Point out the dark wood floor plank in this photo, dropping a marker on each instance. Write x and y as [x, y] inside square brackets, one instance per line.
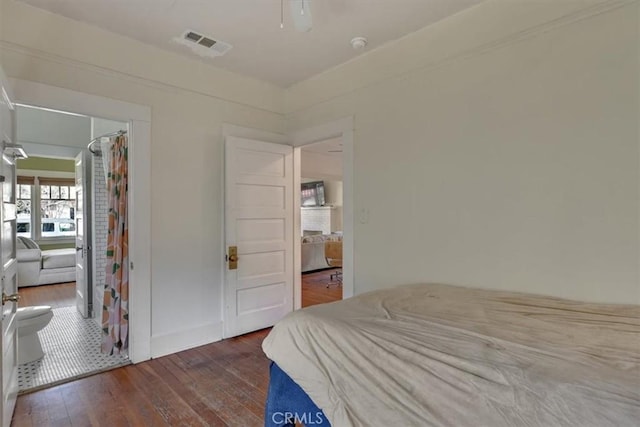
[188, 388]
[212, 385]
[220, 384]
[171, 407]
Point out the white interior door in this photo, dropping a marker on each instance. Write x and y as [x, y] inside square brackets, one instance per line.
[8, 256]
[84, 296]
[259, 223]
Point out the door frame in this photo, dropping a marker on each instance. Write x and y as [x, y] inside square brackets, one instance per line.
[87, 310]
[139, 198]
[341, 128]
[9, 358]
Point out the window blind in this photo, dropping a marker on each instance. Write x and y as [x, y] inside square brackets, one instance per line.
[26, 180]
[57, 181]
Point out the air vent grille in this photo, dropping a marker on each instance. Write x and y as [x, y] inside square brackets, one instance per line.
[206, 42]
[203, 45]
[194, 37]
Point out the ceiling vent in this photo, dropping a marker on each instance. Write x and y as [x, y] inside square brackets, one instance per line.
[203, 45]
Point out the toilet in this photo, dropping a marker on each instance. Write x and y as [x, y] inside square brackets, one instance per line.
[30, 321]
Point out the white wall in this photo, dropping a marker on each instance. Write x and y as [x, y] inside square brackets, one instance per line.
[189, 102]
[320, 165]
[496, 150]
[491, 150]
[47, 133]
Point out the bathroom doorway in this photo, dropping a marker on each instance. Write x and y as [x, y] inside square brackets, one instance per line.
[54, 204]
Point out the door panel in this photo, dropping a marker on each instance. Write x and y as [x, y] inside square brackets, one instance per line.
[8, 264]
[84, 255]
[259, 221]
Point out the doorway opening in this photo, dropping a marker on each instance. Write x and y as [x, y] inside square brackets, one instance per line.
[62, 230]
[321, 219]
[272, 162]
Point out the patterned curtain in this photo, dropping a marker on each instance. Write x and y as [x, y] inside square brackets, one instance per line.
[115, 311]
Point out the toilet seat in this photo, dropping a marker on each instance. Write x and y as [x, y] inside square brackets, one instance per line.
[24, 313]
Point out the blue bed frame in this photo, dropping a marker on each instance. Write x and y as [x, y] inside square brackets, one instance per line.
[288, 403]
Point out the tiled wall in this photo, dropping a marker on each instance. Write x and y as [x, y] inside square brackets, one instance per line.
[100, 226]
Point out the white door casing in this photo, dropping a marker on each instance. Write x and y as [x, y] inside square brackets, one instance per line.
[9, 264]
[343, 128]
[139, 200]
[259, 222]
[84, 287]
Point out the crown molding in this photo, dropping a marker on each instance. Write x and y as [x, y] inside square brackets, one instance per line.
[322, 88]
[7, 46]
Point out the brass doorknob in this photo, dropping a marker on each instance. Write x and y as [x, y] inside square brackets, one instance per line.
[12, 297]
[233, 258]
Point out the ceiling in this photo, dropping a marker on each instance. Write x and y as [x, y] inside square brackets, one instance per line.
[328, 147]
[261, 49]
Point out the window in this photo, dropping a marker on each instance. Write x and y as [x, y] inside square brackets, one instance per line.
[23, 208]
[67, 226]
[24, 228]
[56, 200]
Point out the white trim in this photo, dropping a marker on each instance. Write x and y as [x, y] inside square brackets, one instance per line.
[337, 128]
[297, 225]
[348, 78]
[321, 132]
[139, 202]
[139, 119]
[229, 129]
[270, 101]
[41, 95]
[183, 340]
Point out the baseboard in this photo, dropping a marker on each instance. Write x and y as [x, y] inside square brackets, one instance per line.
[174, 342]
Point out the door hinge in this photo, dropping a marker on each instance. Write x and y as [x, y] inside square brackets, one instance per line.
[131, 265]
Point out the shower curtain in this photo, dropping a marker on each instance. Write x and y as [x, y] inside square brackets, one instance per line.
[115, 309]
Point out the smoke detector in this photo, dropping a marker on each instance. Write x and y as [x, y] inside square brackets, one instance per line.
[203, 45]
[358, 42]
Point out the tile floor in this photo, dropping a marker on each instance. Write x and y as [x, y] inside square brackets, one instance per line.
[72, 350]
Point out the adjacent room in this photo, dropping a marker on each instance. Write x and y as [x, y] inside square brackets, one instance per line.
[339, 212]
[52, 258]
[321, 221]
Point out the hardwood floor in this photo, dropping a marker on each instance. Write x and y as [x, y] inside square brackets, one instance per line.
[315, 291]
[220, 384]
[58, 295]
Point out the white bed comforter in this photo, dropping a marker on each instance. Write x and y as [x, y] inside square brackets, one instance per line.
[441, 355]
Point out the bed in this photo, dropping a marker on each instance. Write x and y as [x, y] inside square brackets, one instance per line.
[444, 355]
